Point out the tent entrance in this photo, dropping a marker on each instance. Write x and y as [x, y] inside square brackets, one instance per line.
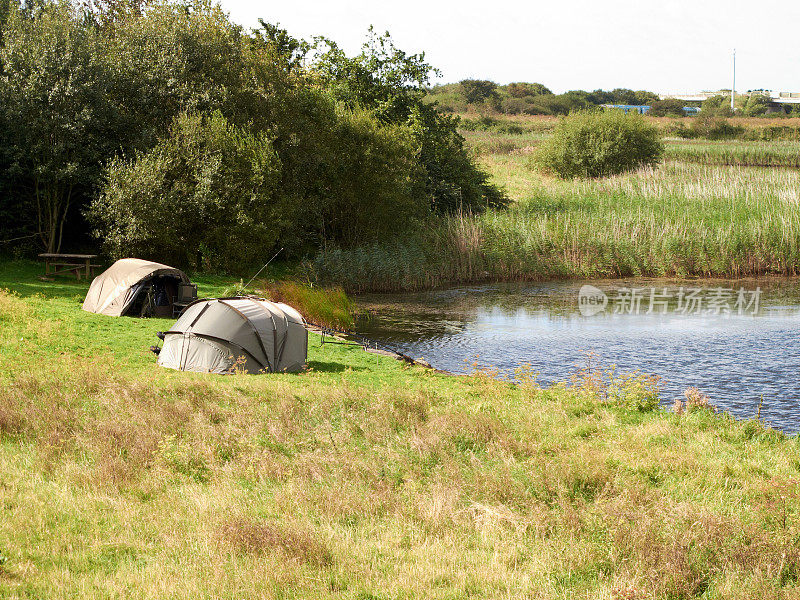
[153, 297]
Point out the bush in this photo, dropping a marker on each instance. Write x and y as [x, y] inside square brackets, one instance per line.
[669, 107]
[707, 127]
[756, 105]
[522, 90]
[214, 196]
[597, 144]
[204, 197]
[717, 106]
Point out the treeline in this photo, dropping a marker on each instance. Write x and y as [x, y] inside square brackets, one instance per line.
[526, 98]
[487, 97]
[166, 131]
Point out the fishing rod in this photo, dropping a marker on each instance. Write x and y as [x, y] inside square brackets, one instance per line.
[262, 268]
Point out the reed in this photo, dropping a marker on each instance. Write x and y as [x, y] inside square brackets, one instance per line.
[756, 154]
[679, 219]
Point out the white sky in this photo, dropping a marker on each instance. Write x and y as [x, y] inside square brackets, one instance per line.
[658, 45]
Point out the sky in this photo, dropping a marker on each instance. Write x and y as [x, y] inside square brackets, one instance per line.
[663, 46]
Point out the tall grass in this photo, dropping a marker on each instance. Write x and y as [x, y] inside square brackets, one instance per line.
[325, 306]
[674, 220]
[757, 154]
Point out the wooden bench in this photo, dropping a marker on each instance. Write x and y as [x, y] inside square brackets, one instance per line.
[68, 263]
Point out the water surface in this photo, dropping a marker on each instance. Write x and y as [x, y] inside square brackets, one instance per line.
[713, 340]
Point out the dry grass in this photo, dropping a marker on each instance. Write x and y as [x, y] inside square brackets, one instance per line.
[372, 481]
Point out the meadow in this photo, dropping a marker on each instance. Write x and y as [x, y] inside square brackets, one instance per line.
[364, 477]
[712, 209]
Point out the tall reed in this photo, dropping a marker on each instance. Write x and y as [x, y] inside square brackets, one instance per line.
[675, 220]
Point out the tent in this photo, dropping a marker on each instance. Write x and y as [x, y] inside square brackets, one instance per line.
[245, 334]
[134, 287]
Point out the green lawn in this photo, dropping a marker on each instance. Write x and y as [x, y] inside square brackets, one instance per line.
[363, 478]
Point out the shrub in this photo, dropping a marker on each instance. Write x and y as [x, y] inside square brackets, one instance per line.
[669, 107]
[597, 144]
[204, 196]
[707, 127]
[478, 90]
[325, 306]
[522, 89]
[756, 105]
[718, 106]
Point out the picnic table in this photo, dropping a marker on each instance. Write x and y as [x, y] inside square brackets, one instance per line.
[68, 263]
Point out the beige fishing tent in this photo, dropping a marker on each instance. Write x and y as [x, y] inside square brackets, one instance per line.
[245, 334]
[134, 287]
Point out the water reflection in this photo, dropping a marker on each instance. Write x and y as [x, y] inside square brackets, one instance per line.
[734, 358]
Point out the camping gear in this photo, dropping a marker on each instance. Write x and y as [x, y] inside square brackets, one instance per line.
[135, 287]
[187, 293]
[240, 334]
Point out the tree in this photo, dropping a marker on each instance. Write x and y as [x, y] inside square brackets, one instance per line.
[203, 196]
[669, 107]
[718, 105]
[757, 104]
[55, 97]
[392, 84]
[478, 91]
[521, 89]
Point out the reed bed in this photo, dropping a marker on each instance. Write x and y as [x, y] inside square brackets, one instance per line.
[757, 154]
[679, 219]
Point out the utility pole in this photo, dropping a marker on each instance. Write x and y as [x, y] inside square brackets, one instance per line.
[733, 88]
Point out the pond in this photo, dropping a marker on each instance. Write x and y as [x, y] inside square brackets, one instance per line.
[734, 340]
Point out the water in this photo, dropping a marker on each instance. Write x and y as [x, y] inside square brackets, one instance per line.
[731, 350]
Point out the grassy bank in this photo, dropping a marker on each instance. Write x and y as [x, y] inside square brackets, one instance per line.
[362, 478]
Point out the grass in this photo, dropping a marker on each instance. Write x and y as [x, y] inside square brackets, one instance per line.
[751, 154]
[679, 219]
[364, 478]
[711, 210]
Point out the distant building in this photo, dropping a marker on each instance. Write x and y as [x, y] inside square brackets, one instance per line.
[626, 108]
[642, 109]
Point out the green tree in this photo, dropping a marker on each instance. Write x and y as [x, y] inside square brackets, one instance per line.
[598, 144]
[521, 89]
[392, 85]
[478, 91]
[55, 95]
[717, 106]
[756, 105]
[669, 107]
[204, 196]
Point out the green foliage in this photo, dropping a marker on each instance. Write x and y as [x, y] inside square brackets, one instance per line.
[707, 127]
[390, 83]
[204, 196]
[669, 107]
[717, 106]
[598, 144]
[492, 124]
[756, 105]
[209, 195]
[376, 186]
[527, 98]
[118, 75]
[477, 91]
[325, 306]
[55, 90]
[522, 90]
